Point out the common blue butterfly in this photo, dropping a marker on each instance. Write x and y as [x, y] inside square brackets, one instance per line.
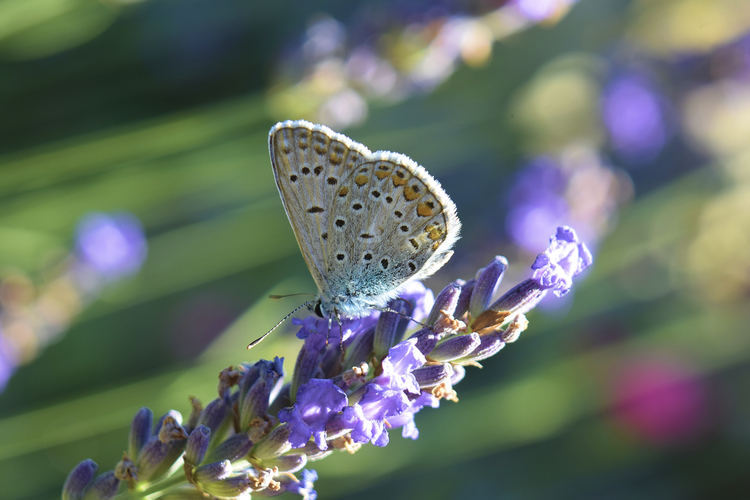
[366, 222]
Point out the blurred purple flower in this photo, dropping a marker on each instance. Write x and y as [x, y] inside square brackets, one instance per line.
[7, 362]
[537, 203]
[565, 258]
[112, 245]
[634, 116]
[539, 10]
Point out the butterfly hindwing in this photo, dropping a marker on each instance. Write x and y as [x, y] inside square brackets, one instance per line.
[393, 223]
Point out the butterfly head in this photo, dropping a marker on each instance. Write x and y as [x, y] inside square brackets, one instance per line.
[316, 306]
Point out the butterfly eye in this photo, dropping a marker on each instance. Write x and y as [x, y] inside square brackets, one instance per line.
[318, 311]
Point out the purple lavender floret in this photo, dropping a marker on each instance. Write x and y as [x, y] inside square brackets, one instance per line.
[406, 419]
[304, 487]
[402, 359]
[316, 402]
[565, 258]
[385, 396]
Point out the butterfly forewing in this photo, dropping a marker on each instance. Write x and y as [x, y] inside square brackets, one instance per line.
[309, 162]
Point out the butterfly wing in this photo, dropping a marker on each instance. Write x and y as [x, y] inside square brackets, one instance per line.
[309, 162]
[392, 223]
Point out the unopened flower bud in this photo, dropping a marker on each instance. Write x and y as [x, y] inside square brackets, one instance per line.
[490, 345]
[104, 487]
[274, 444]
[140, 431]
[521, 298]
[360, 350]
[255, 402]
[231, 487]
[391, 327]
[486, 284]
[161, 452]
[212, 472]
[312, 451]
[248, 379]
[281, 400]
[455, 347]
[462, 306]
[427, 339]
[197, 445]
[518, 300]
[308, 363]
[233, 448]
[432, 375]
[216, 416]
[445, 302]
[286, 463]
[78, 479]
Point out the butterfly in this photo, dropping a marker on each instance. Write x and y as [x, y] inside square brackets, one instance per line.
[366, 222]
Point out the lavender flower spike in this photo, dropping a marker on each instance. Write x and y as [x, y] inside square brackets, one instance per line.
[564, 258]
[349, 388]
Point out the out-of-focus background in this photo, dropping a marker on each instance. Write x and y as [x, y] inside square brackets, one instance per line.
[141, 231]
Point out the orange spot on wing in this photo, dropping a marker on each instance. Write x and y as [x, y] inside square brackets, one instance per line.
[398, 181]
[410, 193]
[343, 191]
[423, 210]
[361, 180]
[381, 175]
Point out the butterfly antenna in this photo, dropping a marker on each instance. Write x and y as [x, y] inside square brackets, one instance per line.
[290, 295]
[260, 339]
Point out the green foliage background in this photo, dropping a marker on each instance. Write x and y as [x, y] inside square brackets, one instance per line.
[91, 122]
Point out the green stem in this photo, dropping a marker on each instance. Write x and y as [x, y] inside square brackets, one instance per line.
[160, 486]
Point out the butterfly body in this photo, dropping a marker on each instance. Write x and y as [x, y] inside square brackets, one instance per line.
[366, 222]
